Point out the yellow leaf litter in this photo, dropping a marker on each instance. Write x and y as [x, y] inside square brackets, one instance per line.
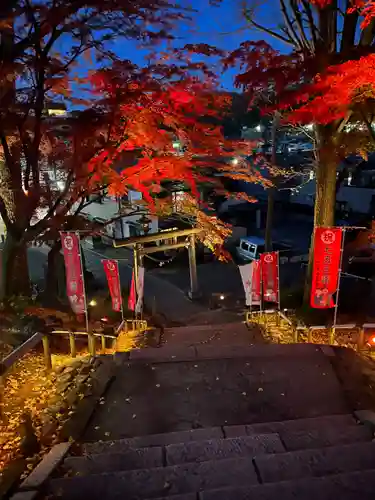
[27, 388]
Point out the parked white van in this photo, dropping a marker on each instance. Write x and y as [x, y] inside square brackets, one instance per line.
[250, 248]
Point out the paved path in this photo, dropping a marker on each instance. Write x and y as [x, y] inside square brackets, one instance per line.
[168, 298]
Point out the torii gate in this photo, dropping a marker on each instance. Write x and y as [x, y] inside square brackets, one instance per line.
[139, 251]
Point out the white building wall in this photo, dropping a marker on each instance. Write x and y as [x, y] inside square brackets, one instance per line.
[121, 228]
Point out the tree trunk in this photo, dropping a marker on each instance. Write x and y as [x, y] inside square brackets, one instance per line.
[325, 193]
[15, 272]
[52, 274]
[269, 220]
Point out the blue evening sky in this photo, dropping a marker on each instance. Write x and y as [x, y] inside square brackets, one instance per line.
[222, 26]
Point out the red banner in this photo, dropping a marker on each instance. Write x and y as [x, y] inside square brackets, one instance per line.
[256, 284]
[75, 288]
[270, 276]
[132, 295]
[113, 279]
[325, 277]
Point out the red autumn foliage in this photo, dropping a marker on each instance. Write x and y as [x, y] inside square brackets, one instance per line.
[305, 90]
[150, 121]
[134, 113]
[323, 76]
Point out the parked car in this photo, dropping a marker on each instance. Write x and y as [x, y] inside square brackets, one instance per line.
[250, 248]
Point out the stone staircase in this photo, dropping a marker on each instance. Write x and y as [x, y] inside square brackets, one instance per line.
[214, 415]
[329, 457]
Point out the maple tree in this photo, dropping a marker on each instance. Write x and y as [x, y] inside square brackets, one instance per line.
[41, 45]
[123, 109]
[326, 78]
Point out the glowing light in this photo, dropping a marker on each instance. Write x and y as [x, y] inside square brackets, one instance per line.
[235, 161]
[372, 340]
[176, 145]
[222, 297]
[93, 303]
[258, 128]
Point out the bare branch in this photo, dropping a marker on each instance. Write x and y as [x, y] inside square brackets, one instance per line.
[289, 26]
[259, 27]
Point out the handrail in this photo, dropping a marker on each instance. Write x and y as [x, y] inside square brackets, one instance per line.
[74, 332]
[297, 328]
[31, 342]
[285, 318]
[19, 352]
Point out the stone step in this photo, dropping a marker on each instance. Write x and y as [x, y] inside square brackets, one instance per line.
[350, 486]
[130, 459]
[219, 449]
[175, 454]
[185, 352]
[194, 477]
[153, 440]
[331, 429]
[308, 433]
[157, 482]
[315, 463]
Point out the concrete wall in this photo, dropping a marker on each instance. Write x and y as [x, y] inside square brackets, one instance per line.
[358, 199]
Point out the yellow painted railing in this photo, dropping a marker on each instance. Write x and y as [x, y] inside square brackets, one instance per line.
[345, 334]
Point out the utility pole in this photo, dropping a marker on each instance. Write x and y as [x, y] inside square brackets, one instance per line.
[272, 190]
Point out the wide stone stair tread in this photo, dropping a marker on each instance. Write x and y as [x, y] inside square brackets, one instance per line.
[314, 463]
[349, 486]
[130, 459]
[301, 424]
[200, 451]
[324, 437]
[151, 483]
[216, 474]
[175, 454]
[184, 496]
[233, 333]
[153, 440]
[310, 432]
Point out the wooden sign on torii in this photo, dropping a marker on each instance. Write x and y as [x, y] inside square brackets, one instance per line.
[182, 238]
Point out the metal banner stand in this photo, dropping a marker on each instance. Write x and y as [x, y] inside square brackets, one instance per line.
[135, 268]
[278, 290]
[338, 288]
[278, 282]
[83, 281]
[119, 288]
[261, 309]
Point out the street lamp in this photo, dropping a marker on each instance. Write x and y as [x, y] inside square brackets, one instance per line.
[145, 222]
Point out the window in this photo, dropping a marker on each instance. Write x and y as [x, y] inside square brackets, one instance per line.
[245, 246]
[132, 230]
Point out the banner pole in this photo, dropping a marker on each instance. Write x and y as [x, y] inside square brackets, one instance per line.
[135, 268]
[338, 284]
[119, 287]
[278, 281]
[83, 281]
[261, 286]
[251, 287]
